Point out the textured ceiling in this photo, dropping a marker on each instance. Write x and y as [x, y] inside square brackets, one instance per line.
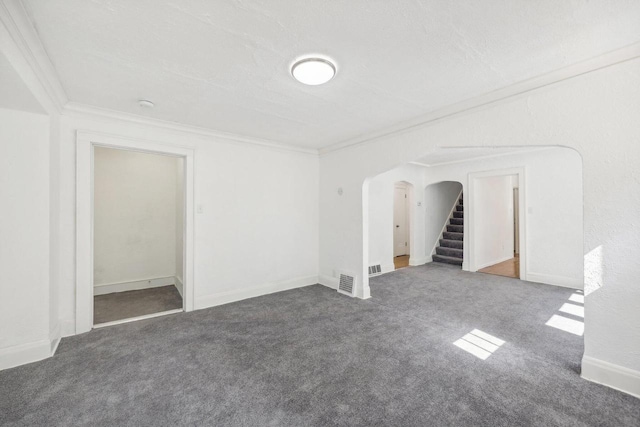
[14, 93]
[224, 64]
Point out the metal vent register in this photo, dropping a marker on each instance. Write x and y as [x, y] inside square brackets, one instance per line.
[347, 285]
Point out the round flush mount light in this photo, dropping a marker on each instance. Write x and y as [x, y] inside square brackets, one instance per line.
[145, 103]
[313, 71]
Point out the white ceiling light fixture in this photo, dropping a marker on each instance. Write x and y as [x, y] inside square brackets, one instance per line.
[313, 71]
[145, 103]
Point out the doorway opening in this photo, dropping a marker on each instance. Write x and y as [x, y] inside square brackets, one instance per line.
[496, 219]
[510, 267]
[444, 225]
[132, 270]
[138, 244]
[401, 225]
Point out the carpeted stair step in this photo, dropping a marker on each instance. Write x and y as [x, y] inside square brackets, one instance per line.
[452, 252]
[456, 221]
[459, 208]
[460, 201]
[447, 259]
[458, 244]
[452, 235]
[456, 228]
[457, 214]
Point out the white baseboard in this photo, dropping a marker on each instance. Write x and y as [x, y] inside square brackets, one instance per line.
[226, 297]
[135, 319]
[54, 345]
[109, 288]
[179, 286]
[387, 268]
[54, 338]
[498, 261]
[419, 261]
[67, 327]
[329, 282]
[384, 269]
[17, 355]
[549, 279]
[617, 377]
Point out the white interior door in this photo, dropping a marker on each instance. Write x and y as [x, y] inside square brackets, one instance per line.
[400, 222]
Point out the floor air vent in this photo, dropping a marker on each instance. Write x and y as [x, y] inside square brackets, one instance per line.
[374, 269]
[347, 285]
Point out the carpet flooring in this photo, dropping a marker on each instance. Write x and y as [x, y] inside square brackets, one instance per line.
[124, 305]
[313, 357]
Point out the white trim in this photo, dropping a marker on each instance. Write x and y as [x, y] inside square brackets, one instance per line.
[329, 282]
[444, 227]
[67, 327]
[109, 288]
[54, 345]
[226, 297]
[72, 108]
[498, 261]
[135, 319]
[26, 39]
[179, 286]
[617, 377]
[54, 338]
[550, 279]
[388, 268]
[485, 157]
[85, 143]
[17, 355]
[608, 59]
[415, 261]
[469, 217]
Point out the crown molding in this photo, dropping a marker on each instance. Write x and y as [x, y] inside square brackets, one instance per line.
[608, 59]
[74, 108]
[19, 27]
[484, 157]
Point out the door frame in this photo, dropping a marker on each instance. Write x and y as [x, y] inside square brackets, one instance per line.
[85, 143]
[469, 217]
[407, 217]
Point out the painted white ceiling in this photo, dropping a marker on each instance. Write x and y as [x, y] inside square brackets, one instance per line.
[224, 64]
[14, 93]
[454, 155]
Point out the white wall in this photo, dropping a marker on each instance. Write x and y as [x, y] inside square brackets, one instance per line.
[258, 231]
[439, 198]
[381, 192]
[554, 211]
[595, 114]
[180, 221]
[135, 206]
[554, 222]
[24, 235]
[493, 212]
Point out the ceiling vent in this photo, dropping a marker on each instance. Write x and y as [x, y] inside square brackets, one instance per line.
[347, 284]
[374, 270]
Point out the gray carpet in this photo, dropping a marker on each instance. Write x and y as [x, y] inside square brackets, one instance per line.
[313, 357]
[124, 305]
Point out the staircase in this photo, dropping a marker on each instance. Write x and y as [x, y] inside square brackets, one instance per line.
[450, 249]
